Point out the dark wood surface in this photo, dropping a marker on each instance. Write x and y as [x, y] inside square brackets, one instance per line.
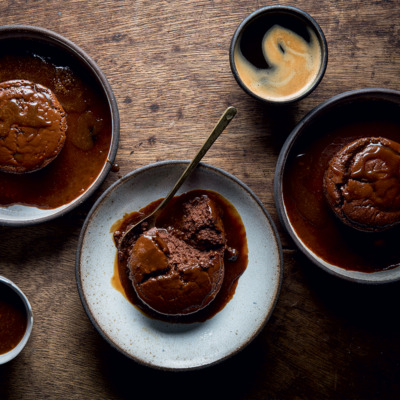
[167, 62]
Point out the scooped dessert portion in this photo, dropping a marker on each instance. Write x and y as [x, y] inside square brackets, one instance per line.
[362, 184]
[185, 269]
[33, 126]
[179, 269]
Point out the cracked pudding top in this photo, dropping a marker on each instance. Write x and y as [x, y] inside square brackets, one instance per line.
[179, 270]
[32, 126]
[362, 184]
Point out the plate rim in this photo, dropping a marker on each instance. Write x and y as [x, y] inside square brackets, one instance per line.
[107, 193]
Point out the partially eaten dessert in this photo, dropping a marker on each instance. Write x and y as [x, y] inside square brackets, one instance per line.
[179, 269]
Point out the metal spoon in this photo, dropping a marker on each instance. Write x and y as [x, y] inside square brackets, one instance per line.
[150, 219]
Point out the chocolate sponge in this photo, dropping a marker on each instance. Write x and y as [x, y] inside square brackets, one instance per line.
[33, 126]
[362, 184]
[179, 270]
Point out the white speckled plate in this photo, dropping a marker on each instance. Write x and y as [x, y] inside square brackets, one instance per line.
[169, 345]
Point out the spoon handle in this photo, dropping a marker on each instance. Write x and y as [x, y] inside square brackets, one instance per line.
[226, 117]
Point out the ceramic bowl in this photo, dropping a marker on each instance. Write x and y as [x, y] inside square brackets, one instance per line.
[354, 114]
[44, 44]
[168, 345]
[6, 284]
[247, 42]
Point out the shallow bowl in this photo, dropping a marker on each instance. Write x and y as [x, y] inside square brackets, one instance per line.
[44, 43]
[344, 112]
[6, 283]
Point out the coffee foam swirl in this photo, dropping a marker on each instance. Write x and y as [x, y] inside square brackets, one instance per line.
[293, 65]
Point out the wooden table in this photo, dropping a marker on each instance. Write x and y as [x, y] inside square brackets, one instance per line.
[167, 62]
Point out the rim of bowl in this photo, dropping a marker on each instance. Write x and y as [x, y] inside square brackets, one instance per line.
[280, 9]
[10, 355]
[50, 37]
[347, 97]
[106, 194]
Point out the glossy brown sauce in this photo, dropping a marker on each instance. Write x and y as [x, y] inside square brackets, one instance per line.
[88, 134]
[13, 321]
[234, 266]
[312, 219]
[115, 167]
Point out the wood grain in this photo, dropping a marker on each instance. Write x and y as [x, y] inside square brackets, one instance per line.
[167, 62]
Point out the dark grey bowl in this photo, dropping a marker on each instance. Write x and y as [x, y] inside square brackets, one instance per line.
[289, 17]
[350, 106]
[39, 38]
[6, 284]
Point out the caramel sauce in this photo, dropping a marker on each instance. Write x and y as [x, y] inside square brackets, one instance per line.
[236, 258]
[13, 321]
[307, 209]
[88, 135]
[115, 167]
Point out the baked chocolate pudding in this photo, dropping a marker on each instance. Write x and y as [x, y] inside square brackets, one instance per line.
[187, 267]
[179, 270]
[32, 126]
[362, 184]
[306, 206]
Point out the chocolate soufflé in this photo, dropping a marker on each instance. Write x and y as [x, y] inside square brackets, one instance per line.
[179, 270]
[32, 126]
[362, 184]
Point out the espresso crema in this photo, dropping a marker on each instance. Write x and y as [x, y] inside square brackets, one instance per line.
[293, 65]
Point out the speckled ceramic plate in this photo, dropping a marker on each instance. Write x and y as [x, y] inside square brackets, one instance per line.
[169, 345]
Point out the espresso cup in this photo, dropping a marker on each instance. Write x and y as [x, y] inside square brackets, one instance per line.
[15, 308]
[278, 54]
